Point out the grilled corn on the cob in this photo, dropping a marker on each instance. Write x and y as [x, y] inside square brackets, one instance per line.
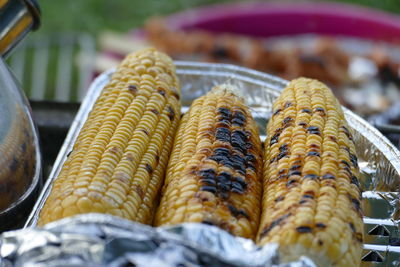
[119, 159]
[312, 199]
[214, 173]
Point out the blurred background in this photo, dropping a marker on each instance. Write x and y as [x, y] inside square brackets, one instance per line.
[353, 45]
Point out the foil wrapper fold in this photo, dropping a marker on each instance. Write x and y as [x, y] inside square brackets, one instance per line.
[105, 240]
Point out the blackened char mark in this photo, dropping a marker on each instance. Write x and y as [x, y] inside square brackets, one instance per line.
[273, 224]
[313, 130]
[347, 132]
[223, 134]
[237, 212]
[304, 229]
[238, 141]
[354, 180]
[239, 118]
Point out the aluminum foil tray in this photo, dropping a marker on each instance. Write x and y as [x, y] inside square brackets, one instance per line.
[379, 160]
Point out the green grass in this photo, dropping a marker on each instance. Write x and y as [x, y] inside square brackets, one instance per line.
[94, 16]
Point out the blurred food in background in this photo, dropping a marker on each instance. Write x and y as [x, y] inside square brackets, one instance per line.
[364, 74]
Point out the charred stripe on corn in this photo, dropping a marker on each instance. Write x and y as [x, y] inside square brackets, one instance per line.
[214, 173]
[118, 161]
[312, 200]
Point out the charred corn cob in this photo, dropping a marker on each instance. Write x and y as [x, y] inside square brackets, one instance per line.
[312, 200]
[120, 156]
[214, 173]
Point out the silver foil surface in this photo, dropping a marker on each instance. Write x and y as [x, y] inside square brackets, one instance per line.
[105, 240]
[379, 162]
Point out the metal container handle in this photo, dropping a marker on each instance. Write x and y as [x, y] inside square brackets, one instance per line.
[17, 18]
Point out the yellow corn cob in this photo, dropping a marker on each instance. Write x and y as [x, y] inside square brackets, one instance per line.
[214, 173]
[118, 161]
[312, 200]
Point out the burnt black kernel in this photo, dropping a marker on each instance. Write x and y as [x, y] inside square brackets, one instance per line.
[310, 193]
[320, 225]
[149, 169]
[14, 165]
[155, 111]
[223, 180]
[280, 198]
[274, 139]
[238, 185]
[223, 134]
[238, 162]
[225, 112]
[249, 145]
[225, 175]
[132, 88]
[221, 151]
[306, 110]
[313, 153]
[273, 224]
[295, 167]
[328, 176]
[302, 201]
[238, 140]
[345, 163]
[207, 173]
[347, 132]
[243, 213]
[314, 146]
[311, 176]
[282, 176]
[171, 113]
[223, 187]
[356, 203]
[353, 160]
[223, 160]
[313, 130]
[145, 131]
[355, 181]
[291, 182]
[321, 110]
[211, 189]
[157, 157]
[273, 160]
[287, 120]
[241, 181]
[282, 155]
[333, 138]
[352, 227]
[161, 92]
[303, 229]
[308, 196]
[282, 171]
[250, 158]
[276, 112]
[283, 147]
[294, 173]
[239, 118]
[302, 124]
[208, 182]
[288, 104]
[236, 190]
[233, 209]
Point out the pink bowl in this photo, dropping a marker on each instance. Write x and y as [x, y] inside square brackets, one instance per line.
[273, 19]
